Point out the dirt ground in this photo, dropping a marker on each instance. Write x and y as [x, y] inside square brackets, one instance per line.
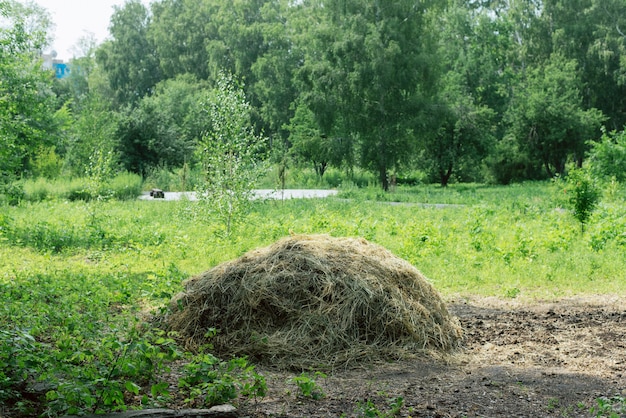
[538, 359]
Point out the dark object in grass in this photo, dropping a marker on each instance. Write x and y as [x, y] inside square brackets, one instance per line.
[157, 194]
[315, 302]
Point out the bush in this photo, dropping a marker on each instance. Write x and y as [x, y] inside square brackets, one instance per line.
[12, 193]
[607, 158]
[583, 194]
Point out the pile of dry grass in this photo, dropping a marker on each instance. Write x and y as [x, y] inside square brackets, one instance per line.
[315, 301]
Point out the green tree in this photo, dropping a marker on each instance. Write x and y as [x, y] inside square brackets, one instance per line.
[366, 66]
[592, 33]
[310, 145]
[93, 129]
[584, 194]
[232, 156]
[460, 128]
[274, 89]
[164, 128]
[27, 102]
[462, 136]
[180, 31]
[129, 59]
[547, 118]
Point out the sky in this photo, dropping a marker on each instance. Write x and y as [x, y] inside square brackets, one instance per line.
[74, 19]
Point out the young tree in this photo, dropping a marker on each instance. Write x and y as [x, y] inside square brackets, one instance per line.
[584, 194]
[232, 156]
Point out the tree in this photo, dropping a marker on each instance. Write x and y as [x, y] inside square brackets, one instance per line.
[584, 194]
[461, 126]
[592, 33]
[463, 133]
[310, 145]
[27, 102]
[366, 66]
[129, 59]
[230, 153]
[274, 89]
[547, 118]
[164, 128]
[180, 31]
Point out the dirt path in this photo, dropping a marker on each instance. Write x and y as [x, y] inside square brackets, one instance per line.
[519, 360]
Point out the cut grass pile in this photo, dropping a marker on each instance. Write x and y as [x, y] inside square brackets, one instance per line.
[315, 301]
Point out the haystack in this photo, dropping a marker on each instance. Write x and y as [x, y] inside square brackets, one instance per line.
[315, 301]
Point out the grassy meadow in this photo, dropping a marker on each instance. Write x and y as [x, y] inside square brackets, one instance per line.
[79, 281]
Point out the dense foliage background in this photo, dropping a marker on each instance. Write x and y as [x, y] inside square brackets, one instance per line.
[436, 90]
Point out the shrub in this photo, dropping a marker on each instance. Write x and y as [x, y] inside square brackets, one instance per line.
[12, 193]
[607, 158]
[583, 194]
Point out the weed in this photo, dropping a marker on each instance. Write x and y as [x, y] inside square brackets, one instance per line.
[308, 385]
[209, 381]
[613, 407]
[553, 403]
[368, 409]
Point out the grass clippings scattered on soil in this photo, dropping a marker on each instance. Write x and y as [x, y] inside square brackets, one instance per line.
[314, 301]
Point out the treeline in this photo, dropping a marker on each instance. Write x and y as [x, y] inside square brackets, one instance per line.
[459, 90]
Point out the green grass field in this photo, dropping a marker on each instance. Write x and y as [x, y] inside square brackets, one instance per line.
[78, 280]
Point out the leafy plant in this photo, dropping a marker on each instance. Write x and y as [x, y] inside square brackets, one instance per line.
[308, 385]
[210, 381]
[613, 407]
[584, 194]
[607, 157]
[368, 409]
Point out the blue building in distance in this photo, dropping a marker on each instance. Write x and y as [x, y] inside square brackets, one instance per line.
[61, 69]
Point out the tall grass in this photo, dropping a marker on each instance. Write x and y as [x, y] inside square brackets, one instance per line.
[123, 186]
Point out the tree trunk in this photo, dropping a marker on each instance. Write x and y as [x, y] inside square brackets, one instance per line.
[445, 177]
[384, 179]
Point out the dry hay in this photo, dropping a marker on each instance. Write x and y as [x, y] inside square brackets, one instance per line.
[315, 301]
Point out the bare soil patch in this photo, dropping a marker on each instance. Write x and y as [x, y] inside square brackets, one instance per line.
[519, 359]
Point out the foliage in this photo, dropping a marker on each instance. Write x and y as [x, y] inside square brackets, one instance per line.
[369, 409]
[27, 119]
[162, 131]
[584, 194]
[613, 407]
[607, 157]
[129, 58]
[365, 69]
[309, 144]
[209, 381]
[231, 155]
[309, 388]
[547, 118]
